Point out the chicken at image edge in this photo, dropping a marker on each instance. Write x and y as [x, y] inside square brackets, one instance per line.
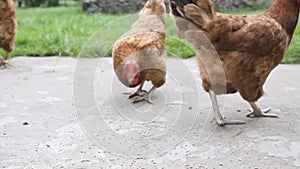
[249, 46]
[139, 55]
[8, 28]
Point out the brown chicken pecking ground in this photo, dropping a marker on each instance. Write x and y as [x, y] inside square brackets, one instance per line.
[140, 54]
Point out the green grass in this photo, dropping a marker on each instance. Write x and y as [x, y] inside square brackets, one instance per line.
[68, 31]
[293, 53]
[56, 31]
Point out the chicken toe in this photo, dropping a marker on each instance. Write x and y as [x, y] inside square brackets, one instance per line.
[145, 97]
[257, 112]
[3, 63]
[139, 92]
[221, 121]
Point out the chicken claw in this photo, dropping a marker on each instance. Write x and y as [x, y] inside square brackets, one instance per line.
[139, 92]
[4, 62]
[221, 121]
[256, 112]
[145, 97]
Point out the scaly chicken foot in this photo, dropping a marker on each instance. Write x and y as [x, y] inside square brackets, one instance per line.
[257, 112]
[139, 92]
[4, 62]
[220, 120]
[146, 97]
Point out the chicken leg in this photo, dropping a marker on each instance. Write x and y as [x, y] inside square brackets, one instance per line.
[146, 97]
[218, 117]
[3, 61]
[257, 112]
[139, 91]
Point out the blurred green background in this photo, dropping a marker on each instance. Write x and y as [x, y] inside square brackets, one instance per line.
[62, 28]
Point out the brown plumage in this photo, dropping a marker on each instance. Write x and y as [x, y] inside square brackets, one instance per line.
[139, 55]
[8, 28]
[248, 46]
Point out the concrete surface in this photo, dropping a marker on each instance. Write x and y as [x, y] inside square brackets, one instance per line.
[59, 113]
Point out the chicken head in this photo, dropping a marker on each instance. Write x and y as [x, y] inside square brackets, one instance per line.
[131, 73]
[154, 6]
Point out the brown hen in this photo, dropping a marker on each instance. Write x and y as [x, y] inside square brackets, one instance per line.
[8, 28]
[248, 47]
[139, 55]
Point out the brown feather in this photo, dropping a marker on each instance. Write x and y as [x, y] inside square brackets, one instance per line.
[8, 25]
[145, 41]
[249, 46]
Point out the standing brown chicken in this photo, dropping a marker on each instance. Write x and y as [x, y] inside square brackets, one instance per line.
[248, 47]
[8, 28]
[139, 55]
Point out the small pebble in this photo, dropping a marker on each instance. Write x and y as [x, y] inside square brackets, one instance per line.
[85, 161]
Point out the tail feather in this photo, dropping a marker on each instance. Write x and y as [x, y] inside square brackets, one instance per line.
[194, 21]
[198, 12]
[207, 6]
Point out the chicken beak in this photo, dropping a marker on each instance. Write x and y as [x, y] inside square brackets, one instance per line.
[133, 80]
